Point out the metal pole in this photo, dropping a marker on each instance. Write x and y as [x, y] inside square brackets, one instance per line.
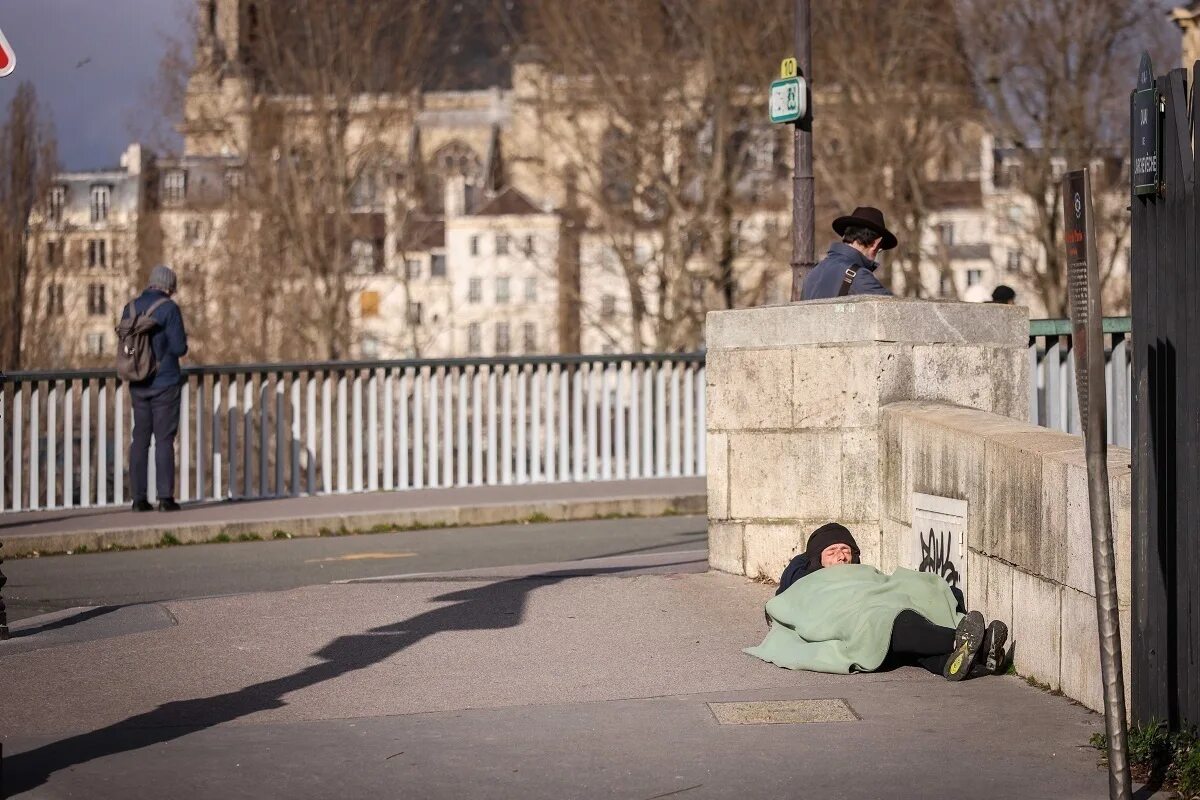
[803, 213]
[1083, 283]
[3, 610]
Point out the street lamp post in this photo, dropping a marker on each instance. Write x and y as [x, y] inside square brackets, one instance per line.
[803, 212]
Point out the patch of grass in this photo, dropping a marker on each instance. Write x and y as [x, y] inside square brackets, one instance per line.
[168, 540]
[537, 518]
[222, 537]
[280, 535]
[83, 548]
[249, 537]
[1155, 753]
[1012, 669]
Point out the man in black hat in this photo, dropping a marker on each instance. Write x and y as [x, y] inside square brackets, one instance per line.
[849, 266]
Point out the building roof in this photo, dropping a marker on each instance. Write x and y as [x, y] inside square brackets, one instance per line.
[422, 234]
[945, 195]
[509, 202]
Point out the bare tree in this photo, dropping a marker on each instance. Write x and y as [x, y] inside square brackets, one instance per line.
[1054, 77]
[896, 123]
[29, 157]
[656, 107]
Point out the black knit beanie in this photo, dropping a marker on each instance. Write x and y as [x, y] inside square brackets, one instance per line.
[822, 537]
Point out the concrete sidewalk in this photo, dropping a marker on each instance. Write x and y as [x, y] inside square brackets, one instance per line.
[584, 680]
[59, 531]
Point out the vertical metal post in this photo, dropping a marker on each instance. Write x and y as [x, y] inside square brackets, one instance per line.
[803, 213]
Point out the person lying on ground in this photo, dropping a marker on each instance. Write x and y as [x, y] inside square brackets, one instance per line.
[836, 614]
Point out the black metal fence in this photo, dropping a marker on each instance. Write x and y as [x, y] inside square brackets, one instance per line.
[1166, 427]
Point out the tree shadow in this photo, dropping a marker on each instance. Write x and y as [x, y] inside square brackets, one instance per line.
[491, 607]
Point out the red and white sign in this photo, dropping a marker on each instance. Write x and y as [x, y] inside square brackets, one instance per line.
[8, 59]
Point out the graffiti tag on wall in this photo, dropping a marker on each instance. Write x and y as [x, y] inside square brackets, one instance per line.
[937, 556]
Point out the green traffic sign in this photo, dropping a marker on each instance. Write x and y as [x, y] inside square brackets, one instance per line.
[787, 100]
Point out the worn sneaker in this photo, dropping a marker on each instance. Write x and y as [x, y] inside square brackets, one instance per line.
[968, 639]
[142, 505]
[992, 651]
[167, 504]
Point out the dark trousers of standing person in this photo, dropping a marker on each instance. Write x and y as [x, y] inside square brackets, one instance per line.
[917, 641]
[155, 412]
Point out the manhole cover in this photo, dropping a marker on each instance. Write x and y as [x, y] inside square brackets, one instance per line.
[783, 712]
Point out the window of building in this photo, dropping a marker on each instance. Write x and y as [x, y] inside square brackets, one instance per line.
[945, 232]
[502, 244]
[54, 252]
[414, 313]
[944, 285]
[437, 266]
[58, 201]
[529, 337]
[608, 306]
[412, 268]
[191, 231]
[474, 339]
[54, 300]
[474, 245]
[501, 290]
[368, 303]
[174, 187]
[475, 290]
[1014, 261]
[101, 198]
[974, 277]
[97, 253]
[362, 256]
[97, 299]
[233, 182]
[369, 346]
[531, 290]
[502, 343]
[95, 344]
[528, 248]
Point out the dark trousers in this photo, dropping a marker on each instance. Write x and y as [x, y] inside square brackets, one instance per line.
[916, 640]
[155, 412]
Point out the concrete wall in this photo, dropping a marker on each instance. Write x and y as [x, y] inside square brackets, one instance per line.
[794, 399]
[843, 409]
[1028, 529]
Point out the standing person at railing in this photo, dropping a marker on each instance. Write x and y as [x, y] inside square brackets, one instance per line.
[156, 398]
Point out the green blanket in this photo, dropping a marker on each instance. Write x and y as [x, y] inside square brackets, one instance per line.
[840, 618]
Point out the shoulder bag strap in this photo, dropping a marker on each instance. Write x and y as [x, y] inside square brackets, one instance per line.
[847, 281]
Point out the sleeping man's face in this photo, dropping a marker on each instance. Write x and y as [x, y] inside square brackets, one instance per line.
[836, 554]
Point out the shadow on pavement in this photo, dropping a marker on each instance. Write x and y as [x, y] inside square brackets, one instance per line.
[64, 622]
[490, 607]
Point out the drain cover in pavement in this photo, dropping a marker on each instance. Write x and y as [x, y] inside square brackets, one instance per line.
[783, 712]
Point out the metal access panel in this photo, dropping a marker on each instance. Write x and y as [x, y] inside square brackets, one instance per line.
[938, 542]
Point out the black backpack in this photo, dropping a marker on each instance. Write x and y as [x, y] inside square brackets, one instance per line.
[135, 356]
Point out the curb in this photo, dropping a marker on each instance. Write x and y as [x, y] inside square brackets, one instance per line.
[350, 524]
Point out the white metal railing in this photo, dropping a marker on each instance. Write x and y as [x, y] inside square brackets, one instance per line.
[1053, 398]
[280, 430]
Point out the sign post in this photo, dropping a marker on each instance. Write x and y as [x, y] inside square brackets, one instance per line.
[1145, 132]
[1083, 285]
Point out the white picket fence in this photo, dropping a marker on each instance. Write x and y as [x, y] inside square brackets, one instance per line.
[279, 430]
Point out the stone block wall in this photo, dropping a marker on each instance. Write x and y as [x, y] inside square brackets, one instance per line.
[1028, 529]
[795, 395]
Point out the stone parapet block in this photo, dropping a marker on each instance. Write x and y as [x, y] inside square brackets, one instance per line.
[867, 319]
[783, 475]
[1036, 628]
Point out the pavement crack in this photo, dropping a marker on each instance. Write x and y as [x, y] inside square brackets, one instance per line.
[677, 791]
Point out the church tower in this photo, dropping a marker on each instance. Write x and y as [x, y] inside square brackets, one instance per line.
[220, 86]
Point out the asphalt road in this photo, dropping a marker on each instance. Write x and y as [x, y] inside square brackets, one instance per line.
[40, 585]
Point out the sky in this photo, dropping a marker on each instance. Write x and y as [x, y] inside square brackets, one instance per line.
[91, 62]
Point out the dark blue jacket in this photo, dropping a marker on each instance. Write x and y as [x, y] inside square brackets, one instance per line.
[826, 278]
[169, 339]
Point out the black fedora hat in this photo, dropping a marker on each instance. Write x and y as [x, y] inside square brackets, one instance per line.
[866, 217]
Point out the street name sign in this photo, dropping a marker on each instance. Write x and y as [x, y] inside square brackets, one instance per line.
[787, 99]
[8, 59]
[1145, 132]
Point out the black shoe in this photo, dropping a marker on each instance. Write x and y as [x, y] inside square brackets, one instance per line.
[992, 651]
[167, 504]
[968, 638]
[142, 505]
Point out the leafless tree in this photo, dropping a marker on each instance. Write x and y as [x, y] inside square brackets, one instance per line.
[657, 109]
[1055, 78]
[29, 156]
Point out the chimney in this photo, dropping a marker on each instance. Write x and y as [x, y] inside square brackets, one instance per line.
[455, 203]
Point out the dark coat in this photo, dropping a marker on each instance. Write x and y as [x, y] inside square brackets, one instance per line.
[826, 278]
[169, 340]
